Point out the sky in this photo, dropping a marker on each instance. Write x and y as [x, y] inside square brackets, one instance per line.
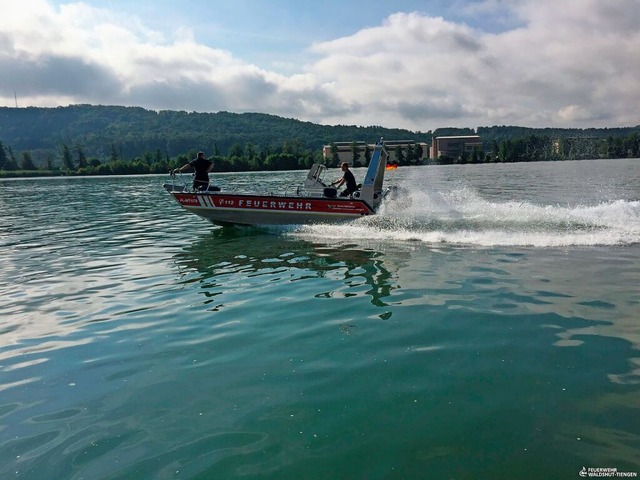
[413, 64]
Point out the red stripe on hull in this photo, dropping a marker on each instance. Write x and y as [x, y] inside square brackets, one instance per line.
[278, 204]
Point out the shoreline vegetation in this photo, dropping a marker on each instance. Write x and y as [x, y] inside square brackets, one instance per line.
[85, 140]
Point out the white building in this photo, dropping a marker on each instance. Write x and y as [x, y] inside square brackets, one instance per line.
[454, 146]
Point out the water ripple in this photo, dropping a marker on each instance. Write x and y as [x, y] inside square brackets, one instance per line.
[138, 341]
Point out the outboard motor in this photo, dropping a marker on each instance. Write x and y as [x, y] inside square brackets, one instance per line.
[399, 195]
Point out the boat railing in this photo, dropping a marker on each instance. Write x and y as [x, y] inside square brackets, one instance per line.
[182, 183]
[179, 182]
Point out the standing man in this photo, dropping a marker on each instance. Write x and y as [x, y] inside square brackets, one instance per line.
[202, 167]
[349, 179]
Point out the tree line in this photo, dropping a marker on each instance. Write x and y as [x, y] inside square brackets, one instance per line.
[535, 148]
[292, 156]
[74, 161]
[134, 131]
[111, 140]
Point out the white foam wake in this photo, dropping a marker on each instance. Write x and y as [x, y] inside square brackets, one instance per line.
[461, 217]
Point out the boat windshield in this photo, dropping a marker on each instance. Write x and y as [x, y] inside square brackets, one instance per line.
[314, 177]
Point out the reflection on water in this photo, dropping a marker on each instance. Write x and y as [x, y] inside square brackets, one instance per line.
[242, 263]
[259, 254]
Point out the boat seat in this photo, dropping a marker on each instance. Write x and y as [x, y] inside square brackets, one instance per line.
[330, 192]
[354, 194]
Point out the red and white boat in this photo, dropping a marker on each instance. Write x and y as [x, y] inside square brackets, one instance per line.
[312, 202]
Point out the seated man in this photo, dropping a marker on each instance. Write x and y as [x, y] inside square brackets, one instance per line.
[349, 179]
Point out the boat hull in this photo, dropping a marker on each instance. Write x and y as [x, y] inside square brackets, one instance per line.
[242, 209]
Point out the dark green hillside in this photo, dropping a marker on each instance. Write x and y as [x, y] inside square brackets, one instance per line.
[132, 131]
[501, 133]
[105, 140]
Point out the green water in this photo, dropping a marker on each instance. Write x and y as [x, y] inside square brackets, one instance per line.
[488, 330]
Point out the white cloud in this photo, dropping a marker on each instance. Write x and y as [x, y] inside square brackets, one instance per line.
[571, 63]
[573, 113]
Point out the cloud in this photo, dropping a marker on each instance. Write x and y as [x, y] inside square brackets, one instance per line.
[531, 75]
[571, 64]
[58, 75]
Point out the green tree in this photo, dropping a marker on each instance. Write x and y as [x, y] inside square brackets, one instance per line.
[463, 158]
[265, 151]
[49, 162]
[27, 162]
[306, 160]
[507, 151]
[355, 153]
[634, 146]
[10, 163]
[411, 154]
[158, 158]
[67, 160]
[250, 152]
[236, 150]
[3, 156]
[114, 153]
[418, 151]
[281, 161]
[495, 151]
[400, 159]
[82, 159]
[335, 157]
[146, 158]
[367, 154]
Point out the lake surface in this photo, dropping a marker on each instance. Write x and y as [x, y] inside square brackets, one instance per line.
[491, 329]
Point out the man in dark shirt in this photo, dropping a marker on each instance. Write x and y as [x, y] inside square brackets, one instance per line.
[202, 167]
[349, 179]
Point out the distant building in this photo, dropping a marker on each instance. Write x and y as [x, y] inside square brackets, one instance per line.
[454, 146]
[345, 151]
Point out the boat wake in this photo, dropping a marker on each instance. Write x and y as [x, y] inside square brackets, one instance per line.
[462, 217]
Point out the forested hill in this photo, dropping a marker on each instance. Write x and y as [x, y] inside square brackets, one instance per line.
[105, 132]
[132, 131]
